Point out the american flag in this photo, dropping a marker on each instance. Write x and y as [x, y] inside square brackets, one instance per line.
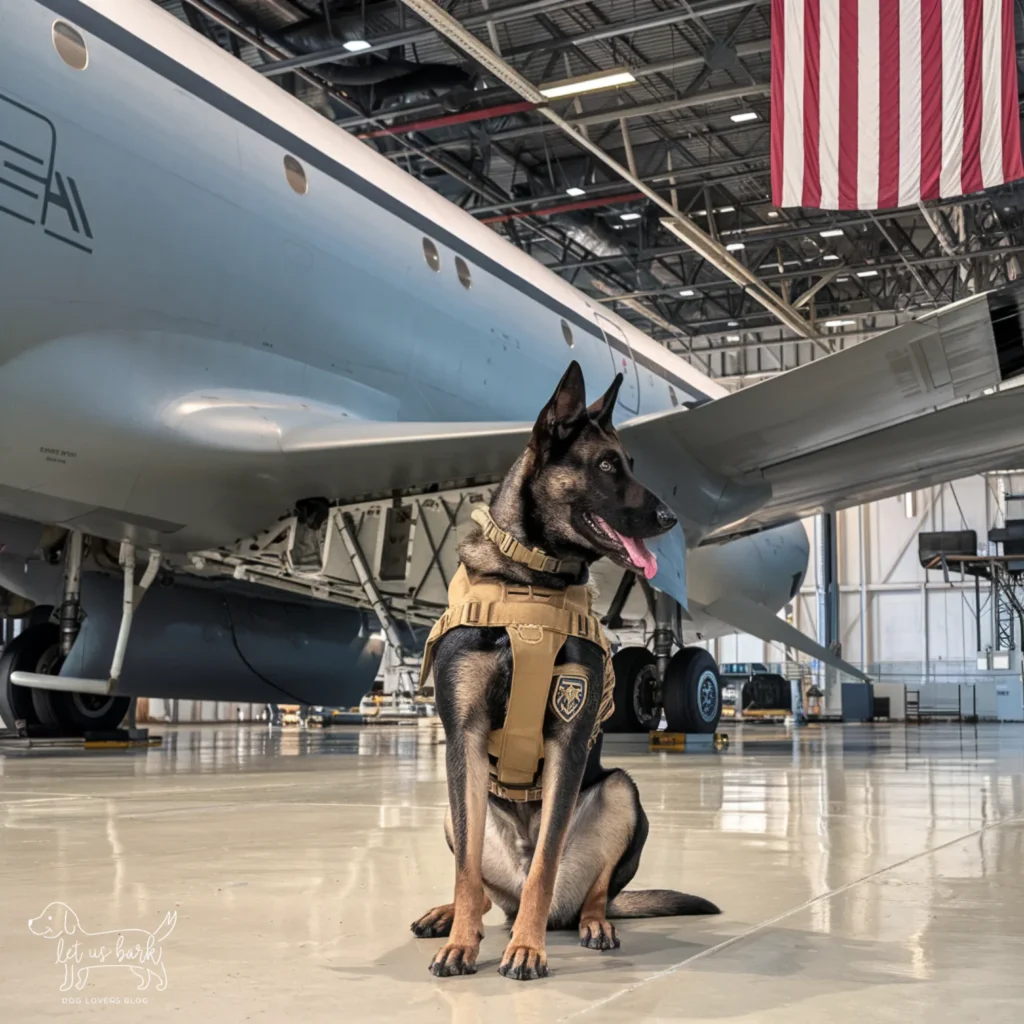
[883, 103]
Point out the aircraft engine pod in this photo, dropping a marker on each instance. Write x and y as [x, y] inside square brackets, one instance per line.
[221, 643]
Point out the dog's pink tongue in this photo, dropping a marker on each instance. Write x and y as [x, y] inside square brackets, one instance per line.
[640, 556]
[637, 550]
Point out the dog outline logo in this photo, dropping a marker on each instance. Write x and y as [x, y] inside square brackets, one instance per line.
[569, 696]
[80, 951]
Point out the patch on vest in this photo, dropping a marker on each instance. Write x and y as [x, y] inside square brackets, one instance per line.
[568, 696]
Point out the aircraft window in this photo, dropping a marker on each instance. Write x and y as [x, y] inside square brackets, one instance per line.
[567, 334]
[69, 43]
[431, 255]
[462, 269]
[296, 175]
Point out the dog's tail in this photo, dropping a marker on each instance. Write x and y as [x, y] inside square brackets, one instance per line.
[658, 903]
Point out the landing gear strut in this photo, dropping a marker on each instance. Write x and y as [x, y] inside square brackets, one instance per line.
[34, 697]
[685, 685]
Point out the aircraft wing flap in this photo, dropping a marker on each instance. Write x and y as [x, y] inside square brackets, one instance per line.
[973, 437]
[906, 372]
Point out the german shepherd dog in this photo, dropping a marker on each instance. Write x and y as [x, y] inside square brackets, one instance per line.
[563, 861]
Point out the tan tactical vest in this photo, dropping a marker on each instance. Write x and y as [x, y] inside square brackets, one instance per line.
[538, 621]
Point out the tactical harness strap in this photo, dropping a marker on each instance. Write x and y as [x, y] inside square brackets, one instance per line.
[538, 621]
[511, 548]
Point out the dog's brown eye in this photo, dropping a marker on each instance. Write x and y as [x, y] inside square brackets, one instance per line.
[605, 466]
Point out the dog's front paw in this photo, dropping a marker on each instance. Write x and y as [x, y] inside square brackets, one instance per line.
[597, 933]
[523, 963]
[435, 923]
[454, 958]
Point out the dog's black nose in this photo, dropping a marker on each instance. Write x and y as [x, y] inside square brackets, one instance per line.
[666, 519]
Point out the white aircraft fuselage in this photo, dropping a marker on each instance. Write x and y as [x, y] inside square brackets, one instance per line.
[158, 257]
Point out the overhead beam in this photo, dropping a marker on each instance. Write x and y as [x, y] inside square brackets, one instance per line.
[681, 226]
[494, 15]
[829, 275]
[697, 99]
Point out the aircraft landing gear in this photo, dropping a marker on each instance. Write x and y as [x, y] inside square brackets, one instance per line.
[637, 697]
[692, 692]
[686, 685]
[34, 697]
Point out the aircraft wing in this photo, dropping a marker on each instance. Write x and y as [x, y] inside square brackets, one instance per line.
[302, 448]
[890, 415]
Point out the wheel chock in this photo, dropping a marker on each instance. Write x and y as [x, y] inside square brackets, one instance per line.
[694, 742]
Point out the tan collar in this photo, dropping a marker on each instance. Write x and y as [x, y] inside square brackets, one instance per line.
[511, 548]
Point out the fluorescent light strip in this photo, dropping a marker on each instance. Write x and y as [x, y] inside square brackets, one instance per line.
[734, 247]
[587, 83]
[356, 45]
[575, 190]
[840, 323]
[832, 233]
[629, 216]
[867, 273]
[746, 115]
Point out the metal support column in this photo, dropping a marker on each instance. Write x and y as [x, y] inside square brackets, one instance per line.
[828, 597]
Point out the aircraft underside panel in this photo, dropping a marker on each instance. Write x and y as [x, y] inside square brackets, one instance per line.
[410, 548]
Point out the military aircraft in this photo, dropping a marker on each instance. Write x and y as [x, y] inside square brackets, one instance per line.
[255, 377]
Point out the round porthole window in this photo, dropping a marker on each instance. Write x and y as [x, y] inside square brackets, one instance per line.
[296, 175]
[70, 45]
[567, 334]
[462, 269]
[431, 255]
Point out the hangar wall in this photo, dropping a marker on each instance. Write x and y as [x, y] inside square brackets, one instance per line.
[896, 619]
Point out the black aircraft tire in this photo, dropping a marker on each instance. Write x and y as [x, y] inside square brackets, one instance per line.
[635, 684]
[693, 692]
[71, 714]
[22, 654]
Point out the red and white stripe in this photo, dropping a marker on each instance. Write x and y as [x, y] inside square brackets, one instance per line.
[882, 103]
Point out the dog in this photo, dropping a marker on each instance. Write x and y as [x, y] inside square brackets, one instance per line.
[561, 861]
[133, 949]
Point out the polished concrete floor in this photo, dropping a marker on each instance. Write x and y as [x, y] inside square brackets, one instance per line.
[867, 873]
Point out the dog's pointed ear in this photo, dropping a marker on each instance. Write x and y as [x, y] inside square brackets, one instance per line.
[566, 406]
[604, 407]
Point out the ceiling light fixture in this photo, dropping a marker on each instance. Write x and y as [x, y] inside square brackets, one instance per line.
[734, 247]
[733, 323]
[732, 337]
[629, 216]
[832, 233]
[587, 83]
[840, 323]
[746, 115]
[830, 256]
[867, 273]
[773, 213]
[575, 190]
[687, 293]
[356, 45]
[726, 209]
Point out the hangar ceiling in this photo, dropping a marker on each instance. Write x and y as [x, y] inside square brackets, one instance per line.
[692, 125]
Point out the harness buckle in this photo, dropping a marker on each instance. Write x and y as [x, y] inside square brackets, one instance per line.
[470, 613]
[532, 635]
